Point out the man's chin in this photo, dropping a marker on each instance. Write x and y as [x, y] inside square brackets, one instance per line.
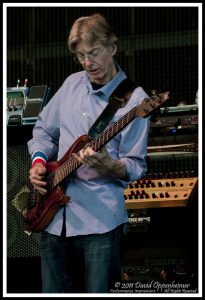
[95, 79]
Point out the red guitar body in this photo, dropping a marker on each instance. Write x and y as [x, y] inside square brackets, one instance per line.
[41, 209]
[38, 216]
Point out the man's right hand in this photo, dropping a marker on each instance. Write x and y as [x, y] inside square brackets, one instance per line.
[36, 176]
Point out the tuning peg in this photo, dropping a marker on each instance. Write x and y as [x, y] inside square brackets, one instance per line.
[154, 92]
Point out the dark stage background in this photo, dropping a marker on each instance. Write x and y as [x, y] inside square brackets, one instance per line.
[158, 46]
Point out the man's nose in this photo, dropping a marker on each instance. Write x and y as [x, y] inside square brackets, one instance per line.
[88, 61]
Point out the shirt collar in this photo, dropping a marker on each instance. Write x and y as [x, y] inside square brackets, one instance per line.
[108, 88]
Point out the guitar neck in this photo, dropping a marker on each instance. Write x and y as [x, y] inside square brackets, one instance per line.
[141, 110]
[71, 164]
[113, 130]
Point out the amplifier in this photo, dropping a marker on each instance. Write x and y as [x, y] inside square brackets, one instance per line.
[162, 192]
[24, 104]
[16, 98]
[175, 117]
[175, 121]
[180, 108]
[32, 109]
[171, 178]
[37, 99]
[172, 162]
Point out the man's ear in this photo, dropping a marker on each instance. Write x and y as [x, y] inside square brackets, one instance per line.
[114, 49]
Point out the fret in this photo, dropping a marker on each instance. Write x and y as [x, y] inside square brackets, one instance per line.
[142, 110]
[35, 215]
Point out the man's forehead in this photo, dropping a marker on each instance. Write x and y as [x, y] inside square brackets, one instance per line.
[87, 47]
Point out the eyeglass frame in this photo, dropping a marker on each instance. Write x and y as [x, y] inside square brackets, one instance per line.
[90, 56]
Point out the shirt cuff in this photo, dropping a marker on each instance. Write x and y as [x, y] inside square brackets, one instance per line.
[39, 157]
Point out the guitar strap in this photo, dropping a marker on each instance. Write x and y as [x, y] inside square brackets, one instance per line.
[118, 99]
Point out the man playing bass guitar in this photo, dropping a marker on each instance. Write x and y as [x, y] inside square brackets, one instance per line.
[81, 246]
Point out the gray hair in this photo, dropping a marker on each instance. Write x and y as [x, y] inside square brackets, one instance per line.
[91, 29]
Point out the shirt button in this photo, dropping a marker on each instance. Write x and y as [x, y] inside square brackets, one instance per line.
[84, 114]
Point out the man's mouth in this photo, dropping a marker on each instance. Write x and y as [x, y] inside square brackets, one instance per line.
[93, 72]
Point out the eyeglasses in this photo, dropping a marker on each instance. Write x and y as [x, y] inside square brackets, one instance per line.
[94, 54]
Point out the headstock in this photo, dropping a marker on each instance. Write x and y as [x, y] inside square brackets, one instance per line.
[148, 105]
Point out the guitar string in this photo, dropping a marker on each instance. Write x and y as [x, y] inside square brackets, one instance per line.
[71, 164]
[120, 123]
[72, 161]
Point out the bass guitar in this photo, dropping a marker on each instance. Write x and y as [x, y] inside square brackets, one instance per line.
[41, 209]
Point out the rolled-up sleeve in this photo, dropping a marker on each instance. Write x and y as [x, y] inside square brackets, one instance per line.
[135, 160]
[133, 142]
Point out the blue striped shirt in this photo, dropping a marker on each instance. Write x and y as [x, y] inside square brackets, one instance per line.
[97, 202]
